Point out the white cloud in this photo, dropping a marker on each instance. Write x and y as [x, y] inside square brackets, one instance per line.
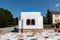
[57, 5]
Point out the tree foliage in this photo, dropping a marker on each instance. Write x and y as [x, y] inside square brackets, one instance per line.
[16, 21]
[6, 18]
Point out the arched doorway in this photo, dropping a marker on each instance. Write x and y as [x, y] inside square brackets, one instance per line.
[33, 22]
[28, 22]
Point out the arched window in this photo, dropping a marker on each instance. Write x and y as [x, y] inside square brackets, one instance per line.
[33, 22]
[28, 22]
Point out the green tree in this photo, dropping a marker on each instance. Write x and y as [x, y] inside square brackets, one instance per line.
[16, 21]
[6, 18]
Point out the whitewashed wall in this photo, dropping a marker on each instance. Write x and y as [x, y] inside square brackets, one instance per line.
[31, 15]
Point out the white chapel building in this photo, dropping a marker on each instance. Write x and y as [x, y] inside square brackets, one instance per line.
[30, 21]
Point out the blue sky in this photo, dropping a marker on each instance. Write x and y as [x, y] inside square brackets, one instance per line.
[16, 6]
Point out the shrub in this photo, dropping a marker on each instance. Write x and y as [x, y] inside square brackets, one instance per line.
[47, 25]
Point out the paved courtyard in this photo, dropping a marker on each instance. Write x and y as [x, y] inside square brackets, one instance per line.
[45, 35]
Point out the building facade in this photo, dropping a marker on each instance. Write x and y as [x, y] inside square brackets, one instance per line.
[31, 21]
[53, 17]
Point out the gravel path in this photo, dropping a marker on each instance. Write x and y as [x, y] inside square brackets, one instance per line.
[6, 30]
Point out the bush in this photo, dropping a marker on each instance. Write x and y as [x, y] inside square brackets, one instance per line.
[57, 25]
[47, 25]
[53, 25]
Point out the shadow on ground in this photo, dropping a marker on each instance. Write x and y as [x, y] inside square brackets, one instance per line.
[15, 30]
